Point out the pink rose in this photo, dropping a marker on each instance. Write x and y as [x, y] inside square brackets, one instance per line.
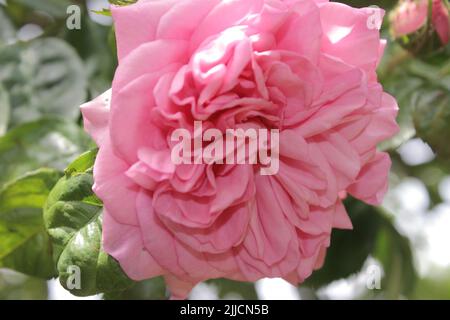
[412, 15]
[305, 67]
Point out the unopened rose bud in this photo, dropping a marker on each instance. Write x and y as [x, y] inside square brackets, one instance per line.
[441, 21]
[421, 26]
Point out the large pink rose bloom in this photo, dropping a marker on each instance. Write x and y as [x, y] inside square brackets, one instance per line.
[305, 67]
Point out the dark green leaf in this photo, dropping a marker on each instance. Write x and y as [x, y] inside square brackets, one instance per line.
[374, 235]
[393, 250]
[7, 30]
[349, 248]
[73, 219]
[151, 289]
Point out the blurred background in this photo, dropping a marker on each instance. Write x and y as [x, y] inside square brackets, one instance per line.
[57, 54]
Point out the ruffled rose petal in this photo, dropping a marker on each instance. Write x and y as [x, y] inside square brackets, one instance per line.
[124, 243]
[372, 182]
[96, 117]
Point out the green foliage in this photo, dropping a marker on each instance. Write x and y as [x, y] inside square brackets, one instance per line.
[17, 286]
[44, 143]
[73, 219]
[432, 115]
[349, 249]
[394, 252]
[422, 90]
[433, 287]
[151, 289]
[373, 235]
[42, 77]
[24, 244]
[122, 2]
[56, 8]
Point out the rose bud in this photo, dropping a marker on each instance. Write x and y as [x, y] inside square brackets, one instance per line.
[421, 26]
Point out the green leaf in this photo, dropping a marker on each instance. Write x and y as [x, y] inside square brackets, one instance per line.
[82, 164]
[45, 143]
[43, 77]
[435, 286]
[398, 82]
[349, 249]
[74, 222]
[17, 286]
[151, 289]
[7, 30]
[432, 119]
[422, 91]
[393, 250]
[4, 110]
[103, 12]
[24, 244]
[56, 8]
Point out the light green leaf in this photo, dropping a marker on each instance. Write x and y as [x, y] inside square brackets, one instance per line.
[373, 235]
[84, 163]
[122, 2]
[42, 77]
[24, 244]
[45, 143]
[74, 222]
[7, 30]
[103, 12]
